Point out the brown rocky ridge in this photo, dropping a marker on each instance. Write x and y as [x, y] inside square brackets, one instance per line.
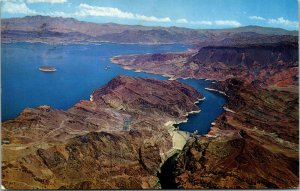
[58, 30]
[268, 64]
[253, 144]
[88, 146]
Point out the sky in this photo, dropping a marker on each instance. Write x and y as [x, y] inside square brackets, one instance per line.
[199, 14]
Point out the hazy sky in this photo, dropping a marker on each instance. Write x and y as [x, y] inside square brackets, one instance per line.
[183, 13]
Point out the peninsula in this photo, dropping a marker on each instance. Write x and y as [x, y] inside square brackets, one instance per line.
[269, 64]
[254, 142]
[124, 135]
[90, 147]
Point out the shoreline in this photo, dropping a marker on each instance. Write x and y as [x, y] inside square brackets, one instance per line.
[176, 134]
[171, 77]
[91, 98]
[94, 42]
[214, 90]
[179, 137]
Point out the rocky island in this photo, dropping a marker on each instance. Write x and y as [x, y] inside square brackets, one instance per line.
[79, 148]
[47, 69]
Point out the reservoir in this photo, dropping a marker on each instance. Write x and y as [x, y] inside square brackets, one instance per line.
[80, 70]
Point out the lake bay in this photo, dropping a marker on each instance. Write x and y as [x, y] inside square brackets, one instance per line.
[80, 70]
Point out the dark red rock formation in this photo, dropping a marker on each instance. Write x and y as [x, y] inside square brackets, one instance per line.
[87, 146]
[250, 62]
[254, 144]
[274, 64]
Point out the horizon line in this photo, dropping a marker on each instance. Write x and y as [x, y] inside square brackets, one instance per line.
[158, 26]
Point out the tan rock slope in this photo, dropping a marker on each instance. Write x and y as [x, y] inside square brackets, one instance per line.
[87, 146]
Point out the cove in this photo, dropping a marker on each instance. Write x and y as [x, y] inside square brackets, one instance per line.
[211, 107]
[80, 70]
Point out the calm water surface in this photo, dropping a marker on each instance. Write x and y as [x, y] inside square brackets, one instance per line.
[80, 70]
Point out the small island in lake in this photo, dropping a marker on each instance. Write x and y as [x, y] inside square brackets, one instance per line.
[47, 69]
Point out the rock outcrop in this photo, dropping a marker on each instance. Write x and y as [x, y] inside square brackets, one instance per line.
[253, 144]
[88, 146]
[269, 64]
[273, 64]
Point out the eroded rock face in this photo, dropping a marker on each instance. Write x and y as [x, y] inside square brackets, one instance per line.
[262, 63]
[87, 146]
[253, 144]
[272, 64]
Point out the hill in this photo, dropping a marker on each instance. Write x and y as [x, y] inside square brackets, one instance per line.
[69, 30]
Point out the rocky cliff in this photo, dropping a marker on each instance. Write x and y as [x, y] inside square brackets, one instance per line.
[270, 64]
[88, 146]
[274, 64]
[253, 144]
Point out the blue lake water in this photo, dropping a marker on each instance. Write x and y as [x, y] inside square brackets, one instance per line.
[80, 70]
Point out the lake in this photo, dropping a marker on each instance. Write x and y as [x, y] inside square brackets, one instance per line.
[81, 70]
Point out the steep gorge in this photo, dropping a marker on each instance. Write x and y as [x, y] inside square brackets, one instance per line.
[253, 144]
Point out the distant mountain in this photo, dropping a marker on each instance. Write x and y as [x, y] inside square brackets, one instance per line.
[261, 30]
[69, 30]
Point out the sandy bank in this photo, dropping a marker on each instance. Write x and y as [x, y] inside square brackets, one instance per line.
[47, 69]
[214, 90]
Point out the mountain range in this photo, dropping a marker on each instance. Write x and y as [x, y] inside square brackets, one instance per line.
[69, 30]
[253, 144]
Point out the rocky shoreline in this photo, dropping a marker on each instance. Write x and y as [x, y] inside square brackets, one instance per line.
[51, 149]
[254, 147]
[277, 63]
[122, 135]
[254, 142]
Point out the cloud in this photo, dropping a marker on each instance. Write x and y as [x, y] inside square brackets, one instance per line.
[19, 7]
[181, 21]
[88, 10]
[16, 8]
[227, 23]
[84, 10]
[201, 22]
[152, 18]
[282, 21]
[46, 1]
[278, 21]
[257, 18]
